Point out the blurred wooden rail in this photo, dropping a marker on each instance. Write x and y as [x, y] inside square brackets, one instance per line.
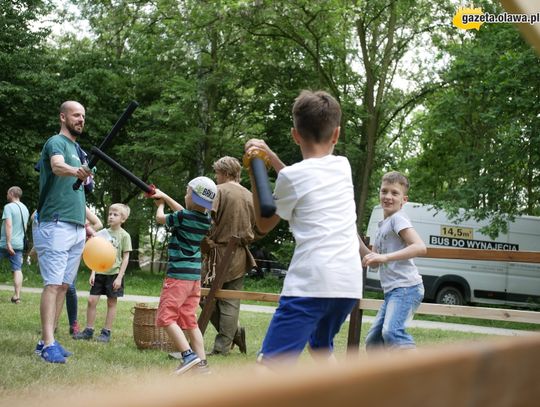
[494, 373]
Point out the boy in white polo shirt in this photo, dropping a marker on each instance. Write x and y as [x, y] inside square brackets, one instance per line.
[316, 197]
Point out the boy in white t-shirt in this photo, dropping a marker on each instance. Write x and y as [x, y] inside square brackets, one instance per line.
[324, 279]
[395, 245]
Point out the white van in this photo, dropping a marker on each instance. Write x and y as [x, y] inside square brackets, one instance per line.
[459, 282]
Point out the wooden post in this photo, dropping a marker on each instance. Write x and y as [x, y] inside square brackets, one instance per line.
[355, 329]
[219, 279]
[355, 319]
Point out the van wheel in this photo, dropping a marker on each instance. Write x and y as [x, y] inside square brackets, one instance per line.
[449, 295]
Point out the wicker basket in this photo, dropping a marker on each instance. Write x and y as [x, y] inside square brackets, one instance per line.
[145, 332]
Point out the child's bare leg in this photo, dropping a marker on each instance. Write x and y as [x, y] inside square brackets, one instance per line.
[91, 310]
[197, 342]
[177, 336]
[111, 312]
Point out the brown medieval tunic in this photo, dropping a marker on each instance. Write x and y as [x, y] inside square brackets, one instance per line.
[232, 215]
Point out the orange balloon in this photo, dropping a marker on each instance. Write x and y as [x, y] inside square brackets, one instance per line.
[99, 254]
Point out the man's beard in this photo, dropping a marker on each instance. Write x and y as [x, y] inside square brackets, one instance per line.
[74, 132]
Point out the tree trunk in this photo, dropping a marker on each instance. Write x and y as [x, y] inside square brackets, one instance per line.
[208, 96]
[377, 69]
[365, 170]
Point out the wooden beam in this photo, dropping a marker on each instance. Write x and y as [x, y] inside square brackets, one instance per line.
[499, 314]
[243, 295]
[490, 255]
[531, 32]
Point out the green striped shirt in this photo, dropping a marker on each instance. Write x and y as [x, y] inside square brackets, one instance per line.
[188, 229]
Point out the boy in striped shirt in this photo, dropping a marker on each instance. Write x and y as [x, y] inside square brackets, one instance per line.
[181, 289]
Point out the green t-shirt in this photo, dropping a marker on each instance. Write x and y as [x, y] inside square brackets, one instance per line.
[61, 202]
[122, 241]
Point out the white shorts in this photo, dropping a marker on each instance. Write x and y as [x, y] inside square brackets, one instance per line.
[59, 246]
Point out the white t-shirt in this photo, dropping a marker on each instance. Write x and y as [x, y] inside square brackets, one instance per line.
[400, 273]
[316, 197]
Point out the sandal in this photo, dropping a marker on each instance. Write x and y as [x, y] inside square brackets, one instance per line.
[15, 300]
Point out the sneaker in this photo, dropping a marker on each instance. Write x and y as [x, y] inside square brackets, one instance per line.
[104, 336]
[190, 360]
[87, 334]
[74, 329]
[39, 347]
[202, 368]
[53, 354]
[41, 344]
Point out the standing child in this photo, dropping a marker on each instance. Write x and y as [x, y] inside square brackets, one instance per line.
[181, 290]
[395, 245]
[316, 197]
[110, 283]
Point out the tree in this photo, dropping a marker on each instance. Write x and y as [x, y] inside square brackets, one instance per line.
[27, 94]
[387, 31]
[479, 135]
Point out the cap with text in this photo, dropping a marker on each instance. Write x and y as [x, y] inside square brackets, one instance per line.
[204, 191]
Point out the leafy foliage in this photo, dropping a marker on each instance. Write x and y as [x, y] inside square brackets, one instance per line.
[479, 133]
[25, 92]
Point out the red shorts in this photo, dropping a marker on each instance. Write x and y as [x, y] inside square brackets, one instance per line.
[178, 303]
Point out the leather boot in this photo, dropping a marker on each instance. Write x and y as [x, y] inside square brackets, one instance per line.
[240, 339]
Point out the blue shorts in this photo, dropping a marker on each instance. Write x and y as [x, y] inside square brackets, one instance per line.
[301, 320]
[15, 260]
[59, 246]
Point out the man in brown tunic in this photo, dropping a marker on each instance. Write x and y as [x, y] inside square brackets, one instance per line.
[232, 215]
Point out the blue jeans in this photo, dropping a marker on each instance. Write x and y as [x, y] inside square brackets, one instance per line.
[397, 310]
